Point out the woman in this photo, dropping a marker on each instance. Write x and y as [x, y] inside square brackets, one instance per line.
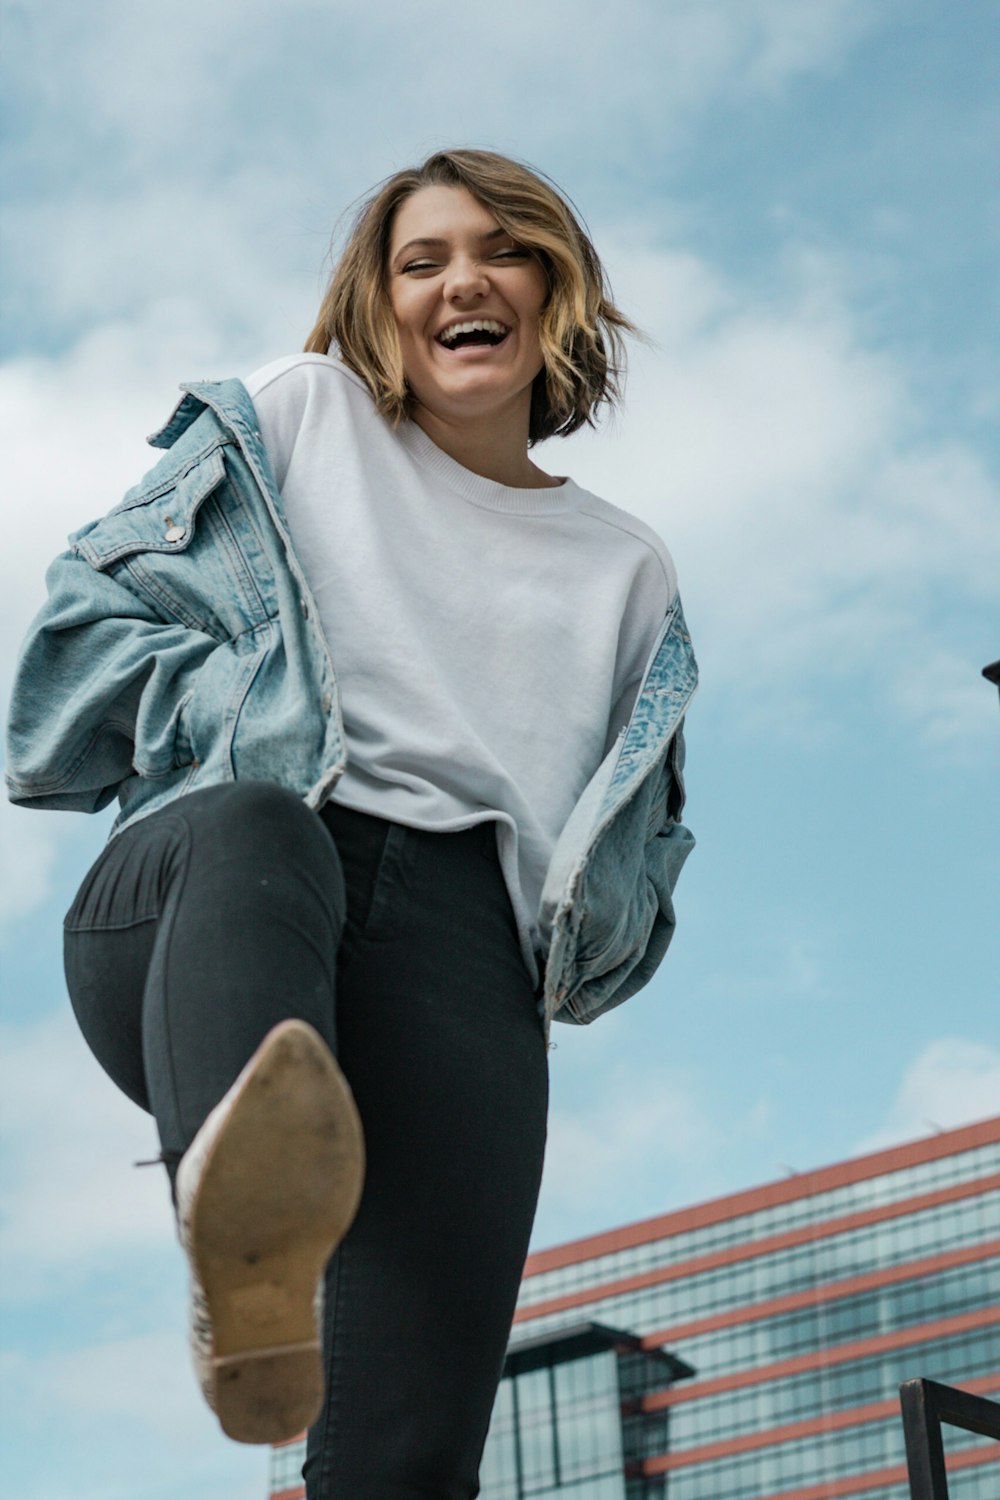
[394, 719]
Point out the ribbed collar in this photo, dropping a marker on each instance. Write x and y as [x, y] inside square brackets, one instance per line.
[486, 493]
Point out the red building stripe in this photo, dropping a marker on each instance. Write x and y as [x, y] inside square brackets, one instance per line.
[299, 1493]
[803, 1185]
[828, 1292]
[751, 1442]
[821, 1359]
[754, 1249]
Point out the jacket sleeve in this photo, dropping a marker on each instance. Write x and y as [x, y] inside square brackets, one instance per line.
[99, 691]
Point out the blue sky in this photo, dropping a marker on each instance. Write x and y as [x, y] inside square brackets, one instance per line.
[795, 200]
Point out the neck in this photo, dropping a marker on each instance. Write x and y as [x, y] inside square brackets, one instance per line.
[494, 449]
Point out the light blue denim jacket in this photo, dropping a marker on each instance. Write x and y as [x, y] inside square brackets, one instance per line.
[180, 647]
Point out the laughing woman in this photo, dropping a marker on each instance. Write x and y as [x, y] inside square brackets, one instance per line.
[394, 719]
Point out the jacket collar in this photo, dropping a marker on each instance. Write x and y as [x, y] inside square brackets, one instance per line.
[229, 400]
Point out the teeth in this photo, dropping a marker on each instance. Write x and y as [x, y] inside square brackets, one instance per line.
[484, 325]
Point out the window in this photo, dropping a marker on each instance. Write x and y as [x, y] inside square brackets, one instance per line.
[566, 1422]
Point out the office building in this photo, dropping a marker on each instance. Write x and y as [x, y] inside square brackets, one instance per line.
[750, 1348]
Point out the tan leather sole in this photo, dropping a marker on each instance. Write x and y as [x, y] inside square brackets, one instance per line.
[277, 1194]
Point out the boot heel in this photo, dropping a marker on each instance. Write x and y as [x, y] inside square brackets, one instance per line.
[277, 1391]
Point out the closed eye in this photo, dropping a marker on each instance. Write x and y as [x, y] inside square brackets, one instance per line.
[516, 253]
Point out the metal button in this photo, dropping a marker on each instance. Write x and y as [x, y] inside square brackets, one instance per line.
[174, 534]
[305, 607]
[327, 703]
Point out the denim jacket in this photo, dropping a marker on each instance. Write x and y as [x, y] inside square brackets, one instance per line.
[180, 647]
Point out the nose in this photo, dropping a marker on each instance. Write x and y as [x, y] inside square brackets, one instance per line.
[466, 280]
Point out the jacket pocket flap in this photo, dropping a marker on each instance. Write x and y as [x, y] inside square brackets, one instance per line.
[159, 522]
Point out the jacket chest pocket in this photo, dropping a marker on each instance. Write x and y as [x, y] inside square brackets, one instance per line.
[186, 549]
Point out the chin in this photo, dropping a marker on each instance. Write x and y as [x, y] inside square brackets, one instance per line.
[477, 396]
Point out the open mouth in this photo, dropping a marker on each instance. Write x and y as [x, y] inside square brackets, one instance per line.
[475, 333]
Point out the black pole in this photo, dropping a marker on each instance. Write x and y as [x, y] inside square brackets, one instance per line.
[924, 1448]
[925, 1405]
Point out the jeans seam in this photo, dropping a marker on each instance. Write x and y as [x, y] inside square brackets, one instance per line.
[167, 916]
[383, 897]
[325, 1446]
[154, 916]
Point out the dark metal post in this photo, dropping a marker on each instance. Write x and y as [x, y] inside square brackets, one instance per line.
[925, 1405]
[554, 1418]
[924, 1448]
[518, 1461]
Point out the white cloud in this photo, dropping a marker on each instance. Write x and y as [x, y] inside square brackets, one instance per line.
[951, 1082]
[112, 1382]
[136, 70]
[94, 1288]
[28, 852]
[631, 1136]
[74, 1206]
[182, 259]
[637, 1127]
[822, 534]
[793, 38]
[37, 850]
[121, 1407]
[216, 163]
[84, 1241]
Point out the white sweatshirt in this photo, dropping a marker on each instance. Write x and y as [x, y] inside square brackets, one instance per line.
[488, 641]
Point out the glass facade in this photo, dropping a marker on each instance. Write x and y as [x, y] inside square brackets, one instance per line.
[751, 1226]
[800, 1308]
[819, 1459]
[857, 1253]
[830, 1388]
[752, 1348]
[568, 1418]
[286, 1468]
[557, 1427]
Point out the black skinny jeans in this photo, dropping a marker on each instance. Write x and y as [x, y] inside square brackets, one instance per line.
[201, 927]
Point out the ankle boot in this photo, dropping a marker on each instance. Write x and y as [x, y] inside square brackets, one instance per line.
[265, 1193]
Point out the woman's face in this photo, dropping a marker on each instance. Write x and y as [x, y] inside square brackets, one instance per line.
[450, 266]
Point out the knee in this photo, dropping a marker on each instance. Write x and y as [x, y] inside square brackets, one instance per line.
[259, 804]
[262, 822]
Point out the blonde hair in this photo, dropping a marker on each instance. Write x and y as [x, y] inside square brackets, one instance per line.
[580, 328]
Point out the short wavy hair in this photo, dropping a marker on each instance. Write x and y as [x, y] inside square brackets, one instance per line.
[581, 330]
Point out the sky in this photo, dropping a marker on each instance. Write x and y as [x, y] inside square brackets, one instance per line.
[797, 201]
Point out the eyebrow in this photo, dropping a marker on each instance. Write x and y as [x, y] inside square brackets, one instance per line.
[434, 244]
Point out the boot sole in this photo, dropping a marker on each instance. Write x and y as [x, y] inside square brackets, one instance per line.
[277, 1195]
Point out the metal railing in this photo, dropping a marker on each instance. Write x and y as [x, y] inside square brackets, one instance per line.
[926, 1405]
